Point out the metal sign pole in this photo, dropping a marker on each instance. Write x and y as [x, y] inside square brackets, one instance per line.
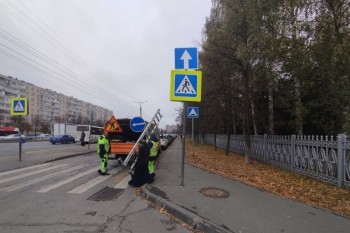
[193, 137]
[19, 138]
[90, 131]
[183, 147]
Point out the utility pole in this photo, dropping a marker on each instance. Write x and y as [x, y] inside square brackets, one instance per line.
[140, 103]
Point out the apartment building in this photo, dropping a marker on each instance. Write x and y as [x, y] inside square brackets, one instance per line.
[9, 87]
[47, 105]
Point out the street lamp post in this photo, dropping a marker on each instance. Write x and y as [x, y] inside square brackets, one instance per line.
[140, 103]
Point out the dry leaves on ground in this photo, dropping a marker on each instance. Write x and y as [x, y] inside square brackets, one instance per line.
[269, 178]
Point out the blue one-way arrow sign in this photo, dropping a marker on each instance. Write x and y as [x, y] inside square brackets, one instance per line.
[137, 124]
[186, 58]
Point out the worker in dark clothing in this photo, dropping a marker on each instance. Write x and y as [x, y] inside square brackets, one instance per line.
[103, 151]
[141, 174]
[154, 150]
[82, 138]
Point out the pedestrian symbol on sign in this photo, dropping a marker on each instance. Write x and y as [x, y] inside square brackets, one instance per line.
[185, 86]
[19, 107]
[192, 112]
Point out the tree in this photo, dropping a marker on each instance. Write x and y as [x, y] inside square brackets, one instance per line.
[25, 127]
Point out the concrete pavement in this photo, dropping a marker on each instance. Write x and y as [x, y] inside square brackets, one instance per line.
[211, 203]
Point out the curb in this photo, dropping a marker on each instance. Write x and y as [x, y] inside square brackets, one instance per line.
[179, 213]
[67, 156]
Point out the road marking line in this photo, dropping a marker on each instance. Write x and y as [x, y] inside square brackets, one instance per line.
[23, 169]
[123, 184]
[63, 182]
[32, 173]
[37, 180]
[84, 187]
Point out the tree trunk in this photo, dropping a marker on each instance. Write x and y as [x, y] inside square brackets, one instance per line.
[247, 111]
[255, 125]
[271, 128]
[215, 142]
[234, 122]
[227, 152]
[298, 108]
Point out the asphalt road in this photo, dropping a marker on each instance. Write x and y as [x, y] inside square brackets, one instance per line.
[12, 148]
[68, 195]
[35, 152]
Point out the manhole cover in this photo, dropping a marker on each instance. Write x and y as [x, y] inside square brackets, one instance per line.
[214, 192]
[106, 194]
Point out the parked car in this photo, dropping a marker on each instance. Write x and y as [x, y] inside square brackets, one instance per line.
[64, 139]
[164, 142]
[15, 137]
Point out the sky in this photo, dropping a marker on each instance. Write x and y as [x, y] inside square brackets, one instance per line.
[111, 53]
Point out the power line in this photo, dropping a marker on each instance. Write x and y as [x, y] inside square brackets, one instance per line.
[51, 62]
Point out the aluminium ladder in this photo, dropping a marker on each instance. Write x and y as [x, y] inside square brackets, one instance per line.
[150, 128]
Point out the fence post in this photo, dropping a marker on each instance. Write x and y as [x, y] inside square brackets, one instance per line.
[341, 156]
[292, 152]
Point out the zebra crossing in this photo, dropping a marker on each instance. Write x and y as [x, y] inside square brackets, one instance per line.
[48, 177]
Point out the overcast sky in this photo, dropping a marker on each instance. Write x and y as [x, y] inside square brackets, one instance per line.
[111, 53]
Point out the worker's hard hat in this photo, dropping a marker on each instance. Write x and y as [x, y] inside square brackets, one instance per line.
[153, 136]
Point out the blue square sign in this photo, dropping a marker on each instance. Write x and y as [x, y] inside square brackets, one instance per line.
[186, 58]
[192, 112]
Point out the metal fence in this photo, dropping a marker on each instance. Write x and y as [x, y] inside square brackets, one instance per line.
[323, 158]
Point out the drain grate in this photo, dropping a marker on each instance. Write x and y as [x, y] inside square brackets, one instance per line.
[214, 192]
[106, 194]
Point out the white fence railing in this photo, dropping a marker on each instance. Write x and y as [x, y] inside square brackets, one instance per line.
[321, 157]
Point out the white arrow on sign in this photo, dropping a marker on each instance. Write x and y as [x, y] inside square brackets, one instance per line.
[136, 124]
[186, 57]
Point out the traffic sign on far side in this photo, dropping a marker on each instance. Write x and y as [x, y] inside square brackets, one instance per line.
[19, 106]
[186, 58]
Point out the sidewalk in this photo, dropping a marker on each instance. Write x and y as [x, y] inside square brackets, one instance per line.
[211, 203]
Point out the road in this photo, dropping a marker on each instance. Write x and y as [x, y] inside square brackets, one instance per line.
[35, 152]
[12, 148]
[68, 195]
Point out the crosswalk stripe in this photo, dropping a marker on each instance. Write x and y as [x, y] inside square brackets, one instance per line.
[84, 187]
[37, 180]
[50, 187]
[123, 184]
[23, 169]
[31, 173]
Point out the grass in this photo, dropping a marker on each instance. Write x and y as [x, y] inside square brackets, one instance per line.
[271, 179]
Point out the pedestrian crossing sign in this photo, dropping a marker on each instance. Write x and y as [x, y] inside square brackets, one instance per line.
[186, 85]
[113, 126]
[192, 112]
[19, 106]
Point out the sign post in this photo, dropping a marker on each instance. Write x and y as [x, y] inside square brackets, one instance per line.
[185, 85]
[192, 112]
[19, 107]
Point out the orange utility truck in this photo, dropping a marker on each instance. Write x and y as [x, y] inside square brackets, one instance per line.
[124, 139]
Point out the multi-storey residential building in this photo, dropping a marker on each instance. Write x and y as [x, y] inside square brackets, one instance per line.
[9, 87]
[47, 105]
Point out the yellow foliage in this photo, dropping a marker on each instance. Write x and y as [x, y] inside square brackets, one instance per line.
[275, 180]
